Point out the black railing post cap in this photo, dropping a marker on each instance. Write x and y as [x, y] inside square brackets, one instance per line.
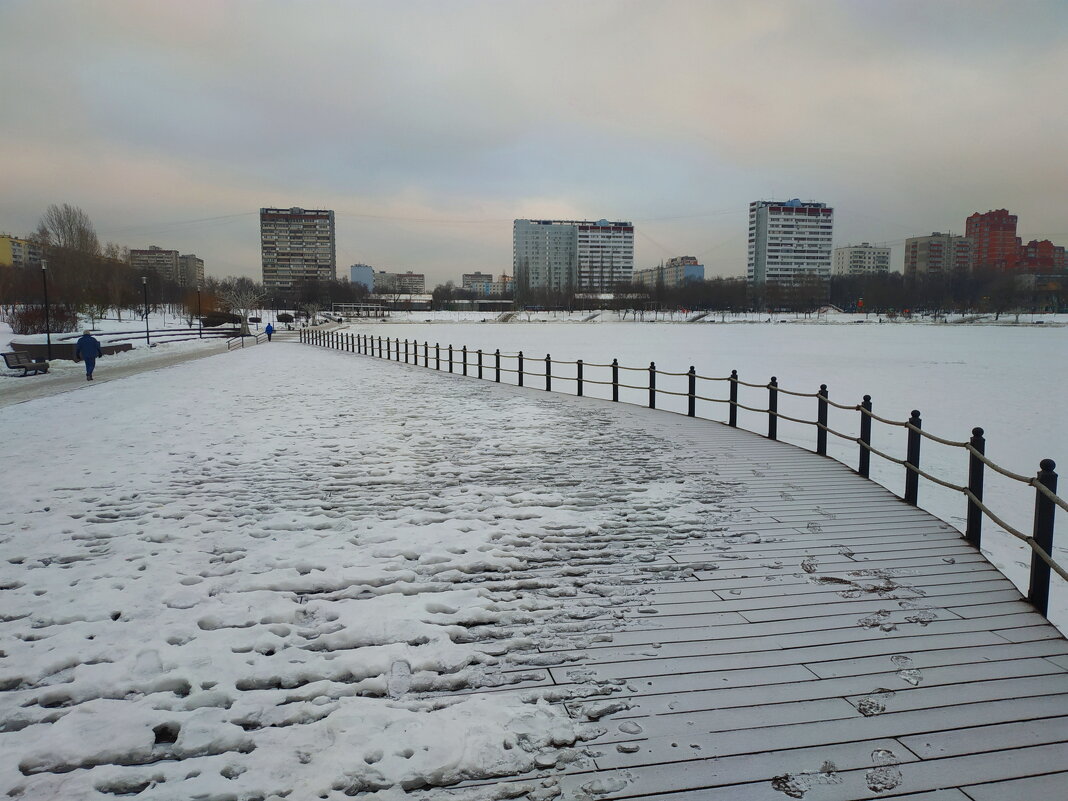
[867, 398]
[915, 414]
[977, 432]
[774, 380]
[734, 373]
[823, 388]
[652, 365]
[1047, 465]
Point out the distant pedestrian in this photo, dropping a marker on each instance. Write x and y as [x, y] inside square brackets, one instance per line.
[88, 349]
[268, 331]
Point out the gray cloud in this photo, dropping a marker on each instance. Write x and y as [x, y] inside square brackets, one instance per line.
[404, 116]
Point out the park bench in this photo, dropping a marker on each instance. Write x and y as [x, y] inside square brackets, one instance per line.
[20, 360]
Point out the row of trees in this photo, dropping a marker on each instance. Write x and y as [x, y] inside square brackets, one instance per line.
[986, 292]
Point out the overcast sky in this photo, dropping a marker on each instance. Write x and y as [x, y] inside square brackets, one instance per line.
[429, 126]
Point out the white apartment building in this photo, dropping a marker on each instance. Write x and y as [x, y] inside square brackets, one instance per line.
[408, 283]
[297, 245]
[863, 259]
[674, 272]
[572, 255]
[789, 240]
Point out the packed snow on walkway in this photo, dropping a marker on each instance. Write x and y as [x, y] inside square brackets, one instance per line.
[261, 576]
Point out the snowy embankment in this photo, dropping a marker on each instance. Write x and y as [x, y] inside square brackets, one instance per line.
[105, 329]
[267, 575]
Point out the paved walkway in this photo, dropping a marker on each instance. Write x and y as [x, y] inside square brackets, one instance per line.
[19, 389]
[716, 616]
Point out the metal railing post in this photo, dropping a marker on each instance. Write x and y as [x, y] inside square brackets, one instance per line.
[426, 354]
[396, 352]
[389, 350]
[732, 418]
[821, 421]
[480, 362]
[579, 379]
[691, 405]
[450, 357]
[652, 385]
[912, 459]
[406, 350]
[864, 463]
[974, 530]
[773, 408]
[1038, 591]
[520, 368]
[465, 359]
[437, 355]
[615, 379]
[548, 373]
[497, 357]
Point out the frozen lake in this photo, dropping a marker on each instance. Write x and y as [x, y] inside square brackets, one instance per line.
[1007, 380]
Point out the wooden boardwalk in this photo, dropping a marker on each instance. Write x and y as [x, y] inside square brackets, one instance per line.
[832, 644]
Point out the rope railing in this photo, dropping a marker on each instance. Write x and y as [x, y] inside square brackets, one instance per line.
[486, 365]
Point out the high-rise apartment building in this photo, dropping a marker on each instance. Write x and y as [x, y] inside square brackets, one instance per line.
[190, 270]
[572, 255]
[477, 282]
[1042, 257]
[863, 259]
[995, 245]
[408, 283]
[16, 252]
[297, 245]
[674, 272]
[789, 241]
[937, 254]
[162, 262]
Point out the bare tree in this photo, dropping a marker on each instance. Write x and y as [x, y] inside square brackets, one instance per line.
[241, 296]
[68, 227]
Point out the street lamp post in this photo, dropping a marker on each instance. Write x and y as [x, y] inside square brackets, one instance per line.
[144, 285]
[48, 315]
[200, 317]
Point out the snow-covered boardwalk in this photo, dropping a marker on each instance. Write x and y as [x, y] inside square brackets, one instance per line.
[287, 572]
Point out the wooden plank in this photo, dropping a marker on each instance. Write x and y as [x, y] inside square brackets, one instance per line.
[644, 704]
[665, 747]
[1048, 787]
[742, 642]
[997, 736]
[940, 656]
[849, 659]
[725, 771]
[772, 636]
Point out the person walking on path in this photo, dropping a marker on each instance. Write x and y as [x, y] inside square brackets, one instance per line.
[88, 349]
[268, 331]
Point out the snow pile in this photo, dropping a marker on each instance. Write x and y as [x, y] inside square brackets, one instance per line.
[262, 576]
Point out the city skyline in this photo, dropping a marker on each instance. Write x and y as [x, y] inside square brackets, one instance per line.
[430, 128]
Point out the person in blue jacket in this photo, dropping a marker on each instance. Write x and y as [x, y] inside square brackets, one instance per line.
[88, 349]
[268, 331]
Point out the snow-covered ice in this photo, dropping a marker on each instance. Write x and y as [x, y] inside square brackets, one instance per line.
[284, 572]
